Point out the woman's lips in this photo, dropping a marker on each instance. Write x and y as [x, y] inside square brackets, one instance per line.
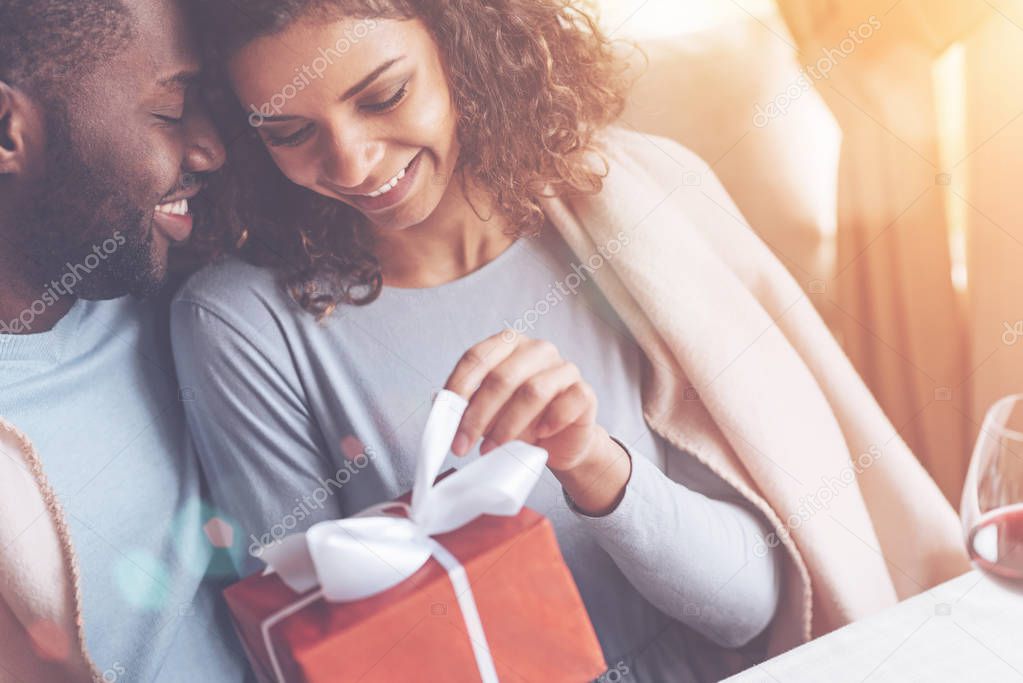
[398, 193]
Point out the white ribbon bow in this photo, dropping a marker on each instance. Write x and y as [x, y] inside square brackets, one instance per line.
[371, 552]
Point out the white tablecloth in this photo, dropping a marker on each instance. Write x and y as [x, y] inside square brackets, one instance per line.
[966, 630]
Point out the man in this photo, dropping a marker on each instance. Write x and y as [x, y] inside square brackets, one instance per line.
[103, 142]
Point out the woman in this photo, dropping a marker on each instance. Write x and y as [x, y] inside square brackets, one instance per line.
[432, 194]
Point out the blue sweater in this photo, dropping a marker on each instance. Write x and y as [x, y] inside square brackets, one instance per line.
[98, 398]
[284, 404]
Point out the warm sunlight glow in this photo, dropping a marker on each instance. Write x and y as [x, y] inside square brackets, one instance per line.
[949, 89]
[660, 18]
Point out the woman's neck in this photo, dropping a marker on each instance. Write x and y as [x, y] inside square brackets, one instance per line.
[453, 242]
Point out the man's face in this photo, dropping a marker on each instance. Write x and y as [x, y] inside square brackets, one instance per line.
[120, 163]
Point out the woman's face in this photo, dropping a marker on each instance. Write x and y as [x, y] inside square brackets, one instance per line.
[358, 110]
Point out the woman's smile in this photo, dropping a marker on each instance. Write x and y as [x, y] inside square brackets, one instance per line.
[390, 194]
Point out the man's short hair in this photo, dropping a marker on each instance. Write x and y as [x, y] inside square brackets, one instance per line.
[44, 44]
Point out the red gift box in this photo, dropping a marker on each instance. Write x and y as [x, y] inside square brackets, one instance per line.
[534, 621]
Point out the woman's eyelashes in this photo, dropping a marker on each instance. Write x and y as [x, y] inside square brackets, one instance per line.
[293, 140]
[302, 134]
[390, 103]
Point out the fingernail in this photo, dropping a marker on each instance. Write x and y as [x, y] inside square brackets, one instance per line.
[461, 444]
[487, 446]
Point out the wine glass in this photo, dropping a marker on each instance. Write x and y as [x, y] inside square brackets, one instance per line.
[992, 505]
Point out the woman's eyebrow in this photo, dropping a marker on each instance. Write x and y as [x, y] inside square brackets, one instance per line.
[350, 93]
[368, 80]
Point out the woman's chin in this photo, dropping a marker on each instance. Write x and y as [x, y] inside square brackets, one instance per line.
[410, 215]
[394, 225]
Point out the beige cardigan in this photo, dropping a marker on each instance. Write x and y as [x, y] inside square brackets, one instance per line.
[740, 371]
[40, 604]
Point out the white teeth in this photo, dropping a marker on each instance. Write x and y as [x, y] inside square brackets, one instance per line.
[389, 185]
[178, 208]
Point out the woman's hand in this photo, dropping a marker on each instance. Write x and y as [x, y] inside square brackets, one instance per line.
[521, 388]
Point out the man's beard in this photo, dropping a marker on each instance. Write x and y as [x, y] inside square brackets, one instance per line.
[80, 229]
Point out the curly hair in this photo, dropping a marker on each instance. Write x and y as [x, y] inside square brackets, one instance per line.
[537, 72]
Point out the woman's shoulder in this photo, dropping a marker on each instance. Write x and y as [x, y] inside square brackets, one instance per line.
[237, 292]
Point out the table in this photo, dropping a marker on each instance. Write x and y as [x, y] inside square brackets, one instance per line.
[968, 629]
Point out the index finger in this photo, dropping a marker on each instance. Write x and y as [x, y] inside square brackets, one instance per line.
[478, 361]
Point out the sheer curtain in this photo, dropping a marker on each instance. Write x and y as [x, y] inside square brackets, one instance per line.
[903, 323]
[989, 188]
[928, 165]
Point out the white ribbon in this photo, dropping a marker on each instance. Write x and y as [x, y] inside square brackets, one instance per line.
[371, 552]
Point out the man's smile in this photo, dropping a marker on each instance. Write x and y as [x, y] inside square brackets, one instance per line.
[173, 218]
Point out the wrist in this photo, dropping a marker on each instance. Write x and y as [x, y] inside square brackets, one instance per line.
[596, 483]
[589, 458]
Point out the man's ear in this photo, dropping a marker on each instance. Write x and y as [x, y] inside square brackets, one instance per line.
[17, 120]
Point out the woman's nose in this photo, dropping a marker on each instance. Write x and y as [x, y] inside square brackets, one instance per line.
[204, 149]
[352, 163]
